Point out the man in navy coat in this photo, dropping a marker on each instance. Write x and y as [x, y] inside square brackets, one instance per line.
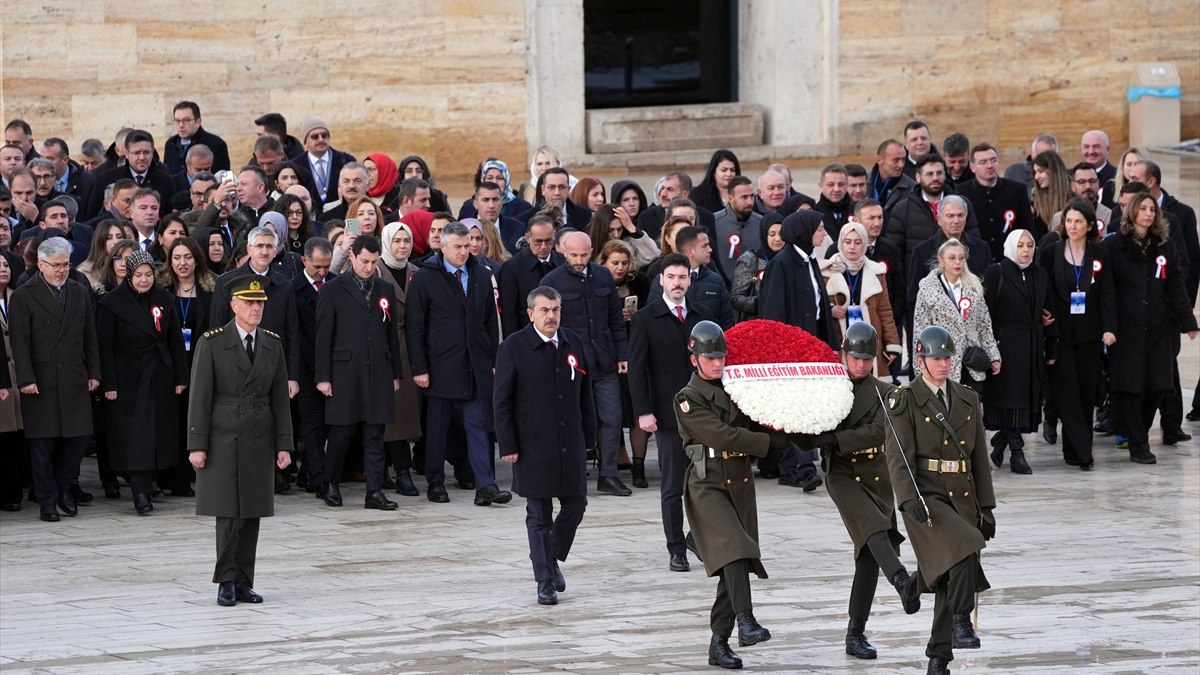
[545, 422]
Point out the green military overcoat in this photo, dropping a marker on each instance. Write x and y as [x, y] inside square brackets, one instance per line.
[240, 415]
[721, 507]
[949, 497]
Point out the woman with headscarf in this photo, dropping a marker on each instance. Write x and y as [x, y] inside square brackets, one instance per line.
[628, 195]
[143, 365]
[494, 171]
[792, 291]
[748, 271]
[383, 184]
[1152, 304]
[951, 296]
[213, 245]
[857, 288]
[479, 247]
[1015, 291]
[710, 193]
[415, 167]
[406, 424]
[1082, 299]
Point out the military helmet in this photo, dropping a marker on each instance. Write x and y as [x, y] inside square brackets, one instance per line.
[934, 341]
[707, 339]
[861, 341]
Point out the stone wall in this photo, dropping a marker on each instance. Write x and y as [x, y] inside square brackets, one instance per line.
[442, 79]
[1006, 71]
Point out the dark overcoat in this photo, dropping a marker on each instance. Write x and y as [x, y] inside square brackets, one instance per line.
[54, 346]
[659, 363]
[240, 415]
[545, 414]
[949, 497]
[786, 294]
[591, 308]
[519, 275]
[143, 363]
[358, 351]
[306, 319]
[406, 423]
[856, 472]
[1100, 308]
[1150, 307]
[1016, 299]
[721, 507]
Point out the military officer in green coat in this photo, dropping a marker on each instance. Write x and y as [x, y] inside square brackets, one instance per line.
[718, 492]
[943, 483]
[239, 430]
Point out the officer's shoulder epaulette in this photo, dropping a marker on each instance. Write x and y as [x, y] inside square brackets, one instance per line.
[274, 335]
[215, 331]
[897, 401]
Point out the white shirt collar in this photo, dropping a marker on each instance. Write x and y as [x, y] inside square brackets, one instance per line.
[242, 334]
[671, 305]
[552, 338]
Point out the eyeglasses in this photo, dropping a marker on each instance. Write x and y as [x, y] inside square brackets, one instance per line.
[541, 242]
[57, 267]
[294, 212]
[318, 134]
[43, 176]
[184, 120]
[1087, 181]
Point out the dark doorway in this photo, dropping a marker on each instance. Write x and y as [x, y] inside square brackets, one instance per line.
[639, 53]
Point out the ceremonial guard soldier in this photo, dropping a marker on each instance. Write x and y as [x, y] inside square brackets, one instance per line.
[718, 493]
[856, 475]
[938, 458]
[239, 431]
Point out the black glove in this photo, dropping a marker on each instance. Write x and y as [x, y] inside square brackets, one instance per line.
[779, 440]
[802, 441]
[987, 524]
[825, 440]
[914, 508]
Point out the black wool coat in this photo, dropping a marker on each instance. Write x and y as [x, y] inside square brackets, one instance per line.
[1100, 309]
[306, 315]
[519, 275]
[999, 209]
[1016, 299]
[659, 363]
[787, 295]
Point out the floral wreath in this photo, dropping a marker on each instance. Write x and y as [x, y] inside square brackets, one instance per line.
[785, 378]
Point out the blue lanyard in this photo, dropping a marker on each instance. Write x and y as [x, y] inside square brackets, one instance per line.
[1078, 267]
[853, 285]
[183, 309]
[875, 186]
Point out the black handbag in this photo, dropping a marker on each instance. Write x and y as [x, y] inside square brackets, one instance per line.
[976, 358]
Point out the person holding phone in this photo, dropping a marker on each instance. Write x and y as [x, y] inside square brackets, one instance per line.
[632, 288]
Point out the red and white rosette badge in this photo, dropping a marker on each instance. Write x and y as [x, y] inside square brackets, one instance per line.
[385, 306]
[1010, 217]
[1160, 272]
[964, 306]
[157, 313]
[784, 378]
[735, 244]
[1096, 267]
[573, 361]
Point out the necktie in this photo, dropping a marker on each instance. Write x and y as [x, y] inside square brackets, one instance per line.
[319, 283]
[933, 207]
[146, 243]
[321, 175]
[141, 180]
[60, 293]
[679, 313]
[871, 251]
[942, 400]
[250, 347]
[458, 274]
[694, 274]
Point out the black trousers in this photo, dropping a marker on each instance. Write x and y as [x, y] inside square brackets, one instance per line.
[237, 547]
[55, 463]
[14, 464]
[877, 553]
[310, 406]
[954, 595]
[340, 436]
[673, 464]
[733, 597]
[1172, 402]
[141, 482]
[1073, 380]
[550, 538]
[1136, 413]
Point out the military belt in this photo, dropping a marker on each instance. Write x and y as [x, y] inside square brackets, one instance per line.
[248, 401]
[946, 465]
[723, 454]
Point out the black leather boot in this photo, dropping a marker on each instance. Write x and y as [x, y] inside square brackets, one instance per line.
[964, 633]
[999, 443]
[938, 666]
[908, 589]
[639, 473]
[405, 485]
[749, 630]
[856, 643]
[1018, 464]
[719, 653]
[142, 504]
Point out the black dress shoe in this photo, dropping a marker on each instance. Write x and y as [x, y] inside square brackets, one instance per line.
[690, 542]
[82, 497]
[313, 487]
[1050, 432]
[332, 494]
[811, 482]
[611, 485]
[1018, 464]
[792, 479]
[1175, 436]
[679, 563]
[112, 489]
[11, 507]
[938, 666]
[719, 653]
[405, 485]
[963, 636]
[50, 515]
[142, 504]
[909, 589]
[66, 503]
[546, 594]
[1087, 467]
[491, 494]
[1071, 461]
[560, 582]
[1193, 415]
[282, 485]
[226, 595]
[246, 594]
[750, 632]
[856, 641]
[1145, 457]
[378, 500]
[437, 493]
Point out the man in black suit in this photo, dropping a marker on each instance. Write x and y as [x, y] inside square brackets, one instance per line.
[707, 289]
[54, 213]
[141, 167]
[323, 160]
[545, 422]
[1000, 205]
[190, 132]
[523, 272]
[488, 202]
[70, 178]
[914, 218]
[555, 186]
[659, 367]
[310, 403]
[591, 309]
[453, 332]
[351, 184]
[358, 368]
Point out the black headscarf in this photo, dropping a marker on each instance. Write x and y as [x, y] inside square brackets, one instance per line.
[620, 186]
[799, 228]
[202, 236]
[764, 229]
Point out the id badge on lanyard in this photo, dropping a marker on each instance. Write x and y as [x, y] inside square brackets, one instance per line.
[853, 314]
[1078, 302]
[187, 339]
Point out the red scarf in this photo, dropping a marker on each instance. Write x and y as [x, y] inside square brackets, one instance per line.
[387, 174]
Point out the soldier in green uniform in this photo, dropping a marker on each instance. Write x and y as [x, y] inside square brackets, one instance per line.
[856, 475]
[938, 458]
[239, 430]
[718, 492]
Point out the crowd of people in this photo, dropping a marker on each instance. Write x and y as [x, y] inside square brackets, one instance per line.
[1067, 290]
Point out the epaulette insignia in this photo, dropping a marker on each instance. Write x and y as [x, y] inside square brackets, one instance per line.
[215, 331]
[274, 335]
[897, 401]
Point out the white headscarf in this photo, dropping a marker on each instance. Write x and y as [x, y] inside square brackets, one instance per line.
[1010, 246]
[386, 249]
[851, 226]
